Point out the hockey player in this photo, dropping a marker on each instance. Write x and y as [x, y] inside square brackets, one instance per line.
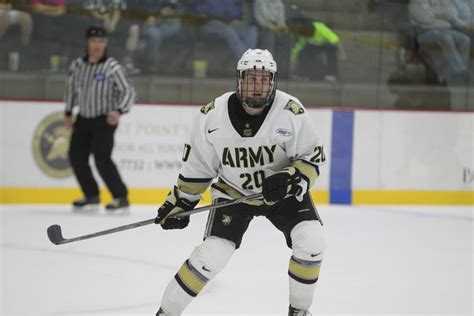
[256, 139]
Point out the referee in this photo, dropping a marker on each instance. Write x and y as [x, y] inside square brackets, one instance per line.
[100, 87]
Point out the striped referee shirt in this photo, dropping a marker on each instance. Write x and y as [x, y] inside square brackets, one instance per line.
[98, 88]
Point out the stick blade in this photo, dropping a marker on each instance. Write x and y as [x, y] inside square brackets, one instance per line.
[55, 235]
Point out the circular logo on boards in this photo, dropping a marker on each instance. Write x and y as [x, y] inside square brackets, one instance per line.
[51, 146]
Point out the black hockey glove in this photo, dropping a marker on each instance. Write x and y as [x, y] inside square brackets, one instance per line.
[281, 184]
[176, 202]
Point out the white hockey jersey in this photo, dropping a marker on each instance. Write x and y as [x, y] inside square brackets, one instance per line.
[242, 159]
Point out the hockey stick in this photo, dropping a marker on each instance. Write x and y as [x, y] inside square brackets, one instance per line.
[56, 237]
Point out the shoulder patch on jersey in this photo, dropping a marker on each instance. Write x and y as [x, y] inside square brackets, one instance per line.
[210, 106]
[294, 107]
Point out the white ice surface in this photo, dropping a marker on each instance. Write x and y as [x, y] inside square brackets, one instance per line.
[379, 260]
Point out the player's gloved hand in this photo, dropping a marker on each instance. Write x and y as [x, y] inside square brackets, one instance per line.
[281, 184]
[176, 202]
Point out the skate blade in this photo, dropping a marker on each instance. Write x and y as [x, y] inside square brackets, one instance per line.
[91, 208]
[118, 211]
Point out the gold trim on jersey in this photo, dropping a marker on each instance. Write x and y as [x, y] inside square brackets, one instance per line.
[192, 187]
[307, 170]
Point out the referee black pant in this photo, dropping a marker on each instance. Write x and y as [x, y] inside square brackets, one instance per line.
[94, 136]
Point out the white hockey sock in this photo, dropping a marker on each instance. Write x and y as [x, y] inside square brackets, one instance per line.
[308, 245]
[206, 261]
[303, 278]
[175, 299]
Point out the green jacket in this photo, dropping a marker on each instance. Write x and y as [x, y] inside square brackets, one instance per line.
[322, 35]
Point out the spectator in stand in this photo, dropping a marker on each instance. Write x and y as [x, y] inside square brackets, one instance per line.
[50, 18]
[162, 22]
[10, 17]
[48, 7]
[224, 18]
[122, 31]
[109, 13]
[465, 12]
[271, 21]
[315, 39]
[444, 48]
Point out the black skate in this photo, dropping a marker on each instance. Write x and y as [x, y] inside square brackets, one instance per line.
[297, 312]
[118, 204]
[87, 204]
[160, 313]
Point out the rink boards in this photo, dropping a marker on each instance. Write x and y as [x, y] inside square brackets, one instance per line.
[374, 157]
